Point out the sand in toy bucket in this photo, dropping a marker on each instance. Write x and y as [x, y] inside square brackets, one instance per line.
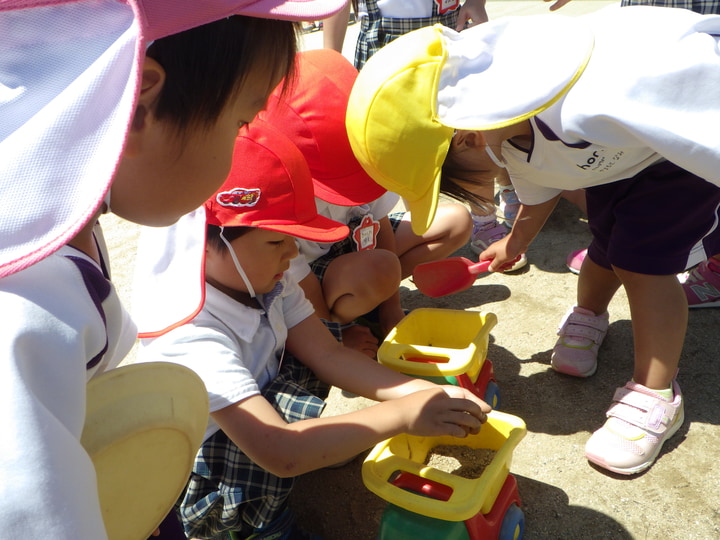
[460, 460]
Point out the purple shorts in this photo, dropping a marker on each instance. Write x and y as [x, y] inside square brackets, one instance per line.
[660, 222]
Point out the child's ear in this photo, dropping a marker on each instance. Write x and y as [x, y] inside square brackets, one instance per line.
[469, 139]
[152, 83]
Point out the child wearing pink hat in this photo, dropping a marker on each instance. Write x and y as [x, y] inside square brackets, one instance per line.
[361, 273]
[143, 95]
[267, 359]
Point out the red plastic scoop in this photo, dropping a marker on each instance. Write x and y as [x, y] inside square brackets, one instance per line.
[447, 276]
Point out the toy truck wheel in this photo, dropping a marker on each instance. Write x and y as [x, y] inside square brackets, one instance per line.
[513, 525]
[492, 394]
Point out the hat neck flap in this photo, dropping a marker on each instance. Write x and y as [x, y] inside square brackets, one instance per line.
[503, 72]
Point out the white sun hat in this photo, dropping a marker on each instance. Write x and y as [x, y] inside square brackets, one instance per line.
[412, 94]
[69, 76]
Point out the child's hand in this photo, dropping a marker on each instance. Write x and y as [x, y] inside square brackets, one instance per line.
[361, 339]
[472, 12]
[502, 254]
[445, 410]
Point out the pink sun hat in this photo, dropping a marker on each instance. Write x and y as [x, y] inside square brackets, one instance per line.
[69, 81]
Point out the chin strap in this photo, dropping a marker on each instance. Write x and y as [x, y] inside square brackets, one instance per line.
[495, 160]
[239, 268]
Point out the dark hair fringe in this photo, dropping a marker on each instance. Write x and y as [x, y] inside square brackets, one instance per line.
[206, 66]
[212, 238]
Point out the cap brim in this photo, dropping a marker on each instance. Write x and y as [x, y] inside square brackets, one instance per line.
[143, 427]
[166, 17]
[366, 192]
[423, 209]
[319, 229]
[294, 10]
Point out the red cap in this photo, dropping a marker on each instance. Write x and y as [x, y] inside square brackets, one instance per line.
[312, 115]
[270, 187]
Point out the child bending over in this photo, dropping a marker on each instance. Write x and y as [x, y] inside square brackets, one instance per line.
[622, 102]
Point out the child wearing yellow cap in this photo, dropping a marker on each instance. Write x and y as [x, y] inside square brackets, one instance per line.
[622, 102]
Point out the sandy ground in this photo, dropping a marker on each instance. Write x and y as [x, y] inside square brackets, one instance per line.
[563, 496]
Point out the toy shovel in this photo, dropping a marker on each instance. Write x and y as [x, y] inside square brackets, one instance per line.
[447, 276]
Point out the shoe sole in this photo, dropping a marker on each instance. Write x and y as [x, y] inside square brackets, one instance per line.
[579, 375]
[574, 270]
[645, 465]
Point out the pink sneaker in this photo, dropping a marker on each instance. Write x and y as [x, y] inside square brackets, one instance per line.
[639, 422]
[575, 259]
[702, 285]
[581, 334]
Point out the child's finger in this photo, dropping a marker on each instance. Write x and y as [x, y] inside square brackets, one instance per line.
[468, 422]
[465, 395]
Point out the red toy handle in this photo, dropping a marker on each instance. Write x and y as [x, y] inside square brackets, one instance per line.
[480, 267]
[422, 486]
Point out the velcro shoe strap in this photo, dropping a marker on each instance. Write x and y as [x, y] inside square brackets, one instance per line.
[587, 320]
[576, 330]
[642, 410]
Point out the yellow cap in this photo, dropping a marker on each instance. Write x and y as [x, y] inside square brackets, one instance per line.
[414, 92]
[392, 121]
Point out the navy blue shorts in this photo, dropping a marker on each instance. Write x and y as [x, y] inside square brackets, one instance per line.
[660, 222]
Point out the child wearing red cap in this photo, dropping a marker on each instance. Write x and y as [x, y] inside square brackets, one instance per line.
[347, 279]
[267, 360]
[146, 95]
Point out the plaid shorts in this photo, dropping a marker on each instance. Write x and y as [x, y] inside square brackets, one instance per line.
[377, 31]
[347, 245]
[229, 492]
[698, 6]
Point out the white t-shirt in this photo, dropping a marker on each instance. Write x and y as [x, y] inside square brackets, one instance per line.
[630, 123]
[235, 349]
[554, 164]
[53, 340]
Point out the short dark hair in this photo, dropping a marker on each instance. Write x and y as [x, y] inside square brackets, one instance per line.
[213, 240]
[206, 66]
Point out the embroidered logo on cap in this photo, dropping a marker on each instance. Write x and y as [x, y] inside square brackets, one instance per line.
[238, 197]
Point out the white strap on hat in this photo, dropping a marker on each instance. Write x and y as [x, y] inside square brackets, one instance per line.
[237, 264]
